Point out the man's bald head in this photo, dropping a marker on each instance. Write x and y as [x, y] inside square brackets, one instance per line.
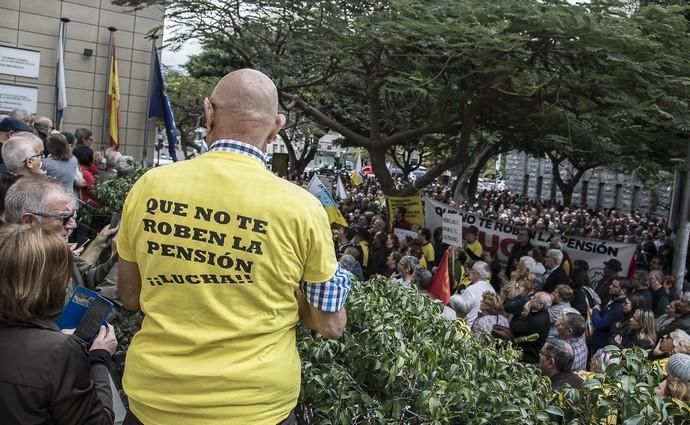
[244, 107]
[246, 91]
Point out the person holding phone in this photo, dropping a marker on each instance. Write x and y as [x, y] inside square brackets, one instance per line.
[46, 376]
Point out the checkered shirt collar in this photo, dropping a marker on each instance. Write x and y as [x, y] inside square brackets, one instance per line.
[228, 145]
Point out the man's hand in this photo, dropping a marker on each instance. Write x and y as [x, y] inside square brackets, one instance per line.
[102, 239]
[329, 325]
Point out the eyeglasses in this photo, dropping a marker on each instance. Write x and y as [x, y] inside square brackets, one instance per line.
[64, 217]
[38, 155]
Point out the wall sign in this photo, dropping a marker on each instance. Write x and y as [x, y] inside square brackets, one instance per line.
[19, 62]
[14, 97]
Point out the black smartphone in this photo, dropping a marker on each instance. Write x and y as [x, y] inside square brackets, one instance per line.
[90, 323]
[115, 220]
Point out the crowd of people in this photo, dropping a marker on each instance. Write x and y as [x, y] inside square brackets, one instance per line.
[540, 299]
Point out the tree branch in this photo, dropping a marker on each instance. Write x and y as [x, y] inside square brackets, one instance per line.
[352, 136]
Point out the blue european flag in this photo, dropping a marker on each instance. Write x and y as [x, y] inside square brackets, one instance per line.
[159, 106]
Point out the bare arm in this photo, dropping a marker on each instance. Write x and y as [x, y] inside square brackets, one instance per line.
[129, 284]
[329, 325]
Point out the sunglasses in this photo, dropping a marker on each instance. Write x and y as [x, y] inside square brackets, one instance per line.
[65, 218]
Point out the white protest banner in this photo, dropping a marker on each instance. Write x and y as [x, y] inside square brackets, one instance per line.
[452, 229]
[500, 237]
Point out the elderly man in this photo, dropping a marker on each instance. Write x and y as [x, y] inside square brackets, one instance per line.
[556, 362]
[472, 295]
[555, 275]
[23, 155]
[571, 329]
[39, 200]
[43, 127]
[225, 258]
[9, 127]
[531, 328]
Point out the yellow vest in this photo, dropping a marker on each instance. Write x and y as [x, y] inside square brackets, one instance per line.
[221, 245]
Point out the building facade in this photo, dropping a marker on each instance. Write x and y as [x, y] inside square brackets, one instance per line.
[32, 27]
[598, 188]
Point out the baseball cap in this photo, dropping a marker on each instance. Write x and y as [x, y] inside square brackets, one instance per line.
[14, 124]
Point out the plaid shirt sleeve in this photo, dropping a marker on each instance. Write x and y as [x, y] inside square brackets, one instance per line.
[329, 296]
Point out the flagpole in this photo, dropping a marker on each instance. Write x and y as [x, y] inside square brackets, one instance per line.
[63, 36]
[107, 86]
[148, 98]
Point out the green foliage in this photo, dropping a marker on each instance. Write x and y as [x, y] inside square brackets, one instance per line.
[111, 194]
[400, 362]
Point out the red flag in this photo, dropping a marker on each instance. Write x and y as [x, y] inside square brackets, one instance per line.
[440, 285]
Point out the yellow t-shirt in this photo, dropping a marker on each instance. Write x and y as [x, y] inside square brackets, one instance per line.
[476, 249]
[221, 244]
[428, 252]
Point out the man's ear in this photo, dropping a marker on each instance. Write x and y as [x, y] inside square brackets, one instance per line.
[209, 115]
[27, 218]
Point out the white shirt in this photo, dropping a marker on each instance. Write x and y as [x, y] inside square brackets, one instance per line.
[473, 294]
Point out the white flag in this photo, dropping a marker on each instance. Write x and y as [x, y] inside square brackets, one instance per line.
[340, 189]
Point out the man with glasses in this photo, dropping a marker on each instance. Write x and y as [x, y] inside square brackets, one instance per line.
[23, 155]
[38, 200]
[556, 362]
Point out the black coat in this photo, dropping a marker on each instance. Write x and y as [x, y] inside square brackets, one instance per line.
[538, 323]
[555, 278]
[47, 378]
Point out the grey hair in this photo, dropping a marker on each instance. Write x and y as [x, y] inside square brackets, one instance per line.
[111, 158]
[409, 262]
[18, 148]
[576, 323]
[462, 306]
[42, 122]
[422, 277]
[482, 269]
[20, 114]
[556, 254]
[561, 352]
[529, 262]
[29, 194]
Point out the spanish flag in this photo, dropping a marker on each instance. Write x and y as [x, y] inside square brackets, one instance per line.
[114, 102]
[357, 172]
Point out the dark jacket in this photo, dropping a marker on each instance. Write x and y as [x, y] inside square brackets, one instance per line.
[682, 322]
[538, 323]
[604, 322]
[377, 261]
[646, 293]
[516, 252]
[48, 378]
[555, 278]
[562, 379]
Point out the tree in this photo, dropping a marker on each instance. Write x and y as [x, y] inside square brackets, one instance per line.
[187, 100]
[388, 73]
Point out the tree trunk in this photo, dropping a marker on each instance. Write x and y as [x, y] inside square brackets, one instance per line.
[468, 173]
